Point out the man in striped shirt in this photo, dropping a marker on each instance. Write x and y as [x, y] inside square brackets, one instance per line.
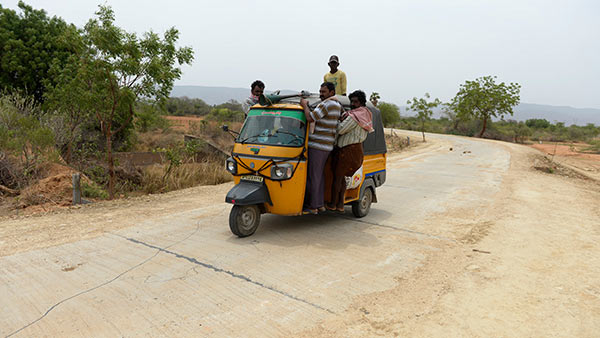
[320, 143]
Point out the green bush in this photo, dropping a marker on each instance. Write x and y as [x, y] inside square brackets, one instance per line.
[92, 190]
[594, 147]
[226, 115]
[181, 106]
[148, 118]
[390, 114]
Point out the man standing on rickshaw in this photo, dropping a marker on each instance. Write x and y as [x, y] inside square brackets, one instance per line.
[336, 76]
[320, 143]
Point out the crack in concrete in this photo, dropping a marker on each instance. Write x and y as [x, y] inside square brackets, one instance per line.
[99, 285]
[230, 273]
[397, 228]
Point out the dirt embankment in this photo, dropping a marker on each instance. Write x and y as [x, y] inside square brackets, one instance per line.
[572, 156]
[53, 190]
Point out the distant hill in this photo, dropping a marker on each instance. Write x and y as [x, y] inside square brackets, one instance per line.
[568, 115]
[215, 95]
[524, 111]
[211, 95]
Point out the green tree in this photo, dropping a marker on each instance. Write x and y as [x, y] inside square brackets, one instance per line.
[114, 69]
[30, 43]
[149, 117]
[423, 109]
[483, 99]
[522, 132]
[374, 98]
[66, 101]
[185, 106]
[390, 114]
[537, 123]
[231, 105]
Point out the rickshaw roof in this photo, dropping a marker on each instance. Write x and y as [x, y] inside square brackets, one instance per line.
[375, 142]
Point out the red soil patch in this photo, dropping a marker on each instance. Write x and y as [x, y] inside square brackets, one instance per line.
[54, 190]
[566, 150]
[584, 163]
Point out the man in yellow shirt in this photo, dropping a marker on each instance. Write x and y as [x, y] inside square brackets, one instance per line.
[336, 76]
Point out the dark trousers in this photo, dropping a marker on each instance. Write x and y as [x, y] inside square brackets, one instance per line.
[344, 162]
[315, 180]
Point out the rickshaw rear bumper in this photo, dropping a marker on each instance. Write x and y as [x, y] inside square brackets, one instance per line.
[248, 193]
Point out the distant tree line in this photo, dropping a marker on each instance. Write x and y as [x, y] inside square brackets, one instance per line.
[471, 113]
[228, 111]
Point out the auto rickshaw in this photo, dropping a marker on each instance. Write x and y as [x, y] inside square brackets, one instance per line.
[269, 163]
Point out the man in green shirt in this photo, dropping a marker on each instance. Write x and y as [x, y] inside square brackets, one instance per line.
[336, 76]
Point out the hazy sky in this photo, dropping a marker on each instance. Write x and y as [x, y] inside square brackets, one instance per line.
[398, 48]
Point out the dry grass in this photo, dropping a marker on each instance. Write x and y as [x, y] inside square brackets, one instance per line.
[152, 140]
[184, 176]
[211, 130]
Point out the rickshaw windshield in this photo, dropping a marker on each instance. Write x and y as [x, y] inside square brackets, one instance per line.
[274, 127]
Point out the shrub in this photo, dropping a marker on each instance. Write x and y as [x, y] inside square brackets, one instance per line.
[148, 118]
[390, 114]
[594, 147]
[92, 190]
[226, 115]
[23, 136]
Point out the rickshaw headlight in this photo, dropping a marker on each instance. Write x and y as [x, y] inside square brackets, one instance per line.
[281, 171]
[231, 165]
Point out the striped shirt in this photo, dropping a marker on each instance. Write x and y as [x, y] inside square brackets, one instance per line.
[350, 132]
[326, 117]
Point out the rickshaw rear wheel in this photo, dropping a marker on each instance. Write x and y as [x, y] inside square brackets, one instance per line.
[244, 220]
[361, 207]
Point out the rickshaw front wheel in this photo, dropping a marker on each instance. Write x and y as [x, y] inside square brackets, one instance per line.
[244, 220]
[361, 207]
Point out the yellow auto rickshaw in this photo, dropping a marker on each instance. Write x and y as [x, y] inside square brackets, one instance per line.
[269, 163]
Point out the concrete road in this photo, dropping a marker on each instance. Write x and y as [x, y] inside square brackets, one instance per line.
[187, 275]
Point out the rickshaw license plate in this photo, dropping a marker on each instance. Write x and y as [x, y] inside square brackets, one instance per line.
[253, 178]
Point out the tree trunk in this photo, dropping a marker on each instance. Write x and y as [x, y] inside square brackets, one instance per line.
[111, 167]
[423, 130]
[69, 155]
[483, 129]
[455, 126]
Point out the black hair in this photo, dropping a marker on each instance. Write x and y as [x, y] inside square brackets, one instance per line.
[360, 95]
[257, 83]
[329, 86]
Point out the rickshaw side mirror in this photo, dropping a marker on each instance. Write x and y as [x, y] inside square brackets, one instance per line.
[233, 134]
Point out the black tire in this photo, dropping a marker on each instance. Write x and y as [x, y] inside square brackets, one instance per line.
[244, 220]
[361, 207]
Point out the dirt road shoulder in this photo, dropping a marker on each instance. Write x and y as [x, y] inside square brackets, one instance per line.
[88, 221]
